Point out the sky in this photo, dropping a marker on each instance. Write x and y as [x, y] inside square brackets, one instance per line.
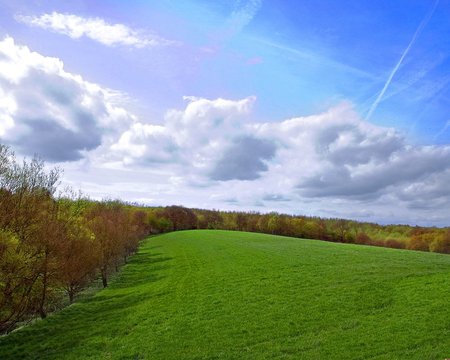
[322, 108]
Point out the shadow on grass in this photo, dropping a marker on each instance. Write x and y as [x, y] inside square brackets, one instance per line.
[104, 315]
[101, 317]
[143, 268]
[154, 247]
[145, 258]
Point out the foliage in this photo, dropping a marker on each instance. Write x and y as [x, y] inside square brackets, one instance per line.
[50, 244]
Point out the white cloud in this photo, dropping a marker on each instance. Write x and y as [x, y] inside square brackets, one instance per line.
[212, 154]
[8, 107]
[194, 139]
[46, 110]
[337, 154]
[321, 164]
[96, 29]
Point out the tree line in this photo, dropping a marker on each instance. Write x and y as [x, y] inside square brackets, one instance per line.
[53, 245]
[335, 230]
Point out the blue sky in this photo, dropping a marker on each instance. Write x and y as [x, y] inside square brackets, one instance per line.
[296, 57]
[386, 63]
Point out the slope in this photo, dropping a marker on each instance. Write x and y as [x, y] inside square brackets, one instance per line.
[229, 295]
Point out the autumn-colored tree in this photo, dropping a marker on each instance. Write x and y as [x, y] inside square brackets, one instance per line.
[298, 225]
[17, 280]
[311, 229]
[134, 228]
[276, 224]
[181, 218]
[441, 243]
[363, 238]
[77, 250]
[27, 214]
[418, 242]
[104, 219]
[49, 243]
[78, 262]
[341, 227]
[263, 223]
[154, 224]
[395, 244]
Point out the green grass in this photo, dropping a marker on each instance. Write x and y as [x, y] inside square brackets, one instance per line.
[231, 295]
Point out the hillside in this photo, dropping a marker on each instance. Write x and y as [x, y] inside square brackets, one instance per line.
[231, 295]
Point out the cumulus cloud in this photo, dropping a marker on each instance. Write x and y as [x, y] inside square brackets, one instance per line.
[337, 154]
[335, 157]
[206, 134]
[96, 29]
[244, 160]
[8, 107]
[46, 110]
[407, 165]
[211, 153]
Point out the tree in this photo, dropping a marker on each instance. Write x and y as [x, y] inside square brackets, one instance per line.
[76, 251]
[180, 217]
[104, 223]
[49, 243]
[17, 280]
[363, 238]
[418, 241]
[341, 227]
[276, 224]
[27, 224]
[441, 243]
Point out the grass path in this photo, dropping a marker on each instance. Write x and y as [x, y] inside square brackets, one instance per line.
[230, 295]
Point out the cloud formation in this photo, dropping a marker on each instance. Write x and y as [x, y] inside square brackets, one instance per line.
[46, 110]
[198, 139]
[212, 152]
[332, 155]
[95, 29]
[243, 160]
[338, 155]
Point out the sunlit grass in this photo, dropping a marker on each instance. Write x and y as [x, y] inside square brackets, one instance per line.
[230, 295]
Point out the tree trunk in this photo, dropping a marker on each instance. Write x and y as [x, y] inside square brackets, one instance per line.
[104, 278]
[42, 311]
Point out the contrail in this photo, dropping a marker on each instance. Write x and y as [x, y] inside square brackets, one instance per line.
[399, 63]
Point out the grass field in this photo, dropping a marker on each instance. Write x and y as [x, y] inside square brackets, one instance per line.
[230, 295]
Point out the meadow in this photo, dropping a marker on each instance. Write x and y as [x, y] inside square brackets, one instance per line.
[210, 294]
